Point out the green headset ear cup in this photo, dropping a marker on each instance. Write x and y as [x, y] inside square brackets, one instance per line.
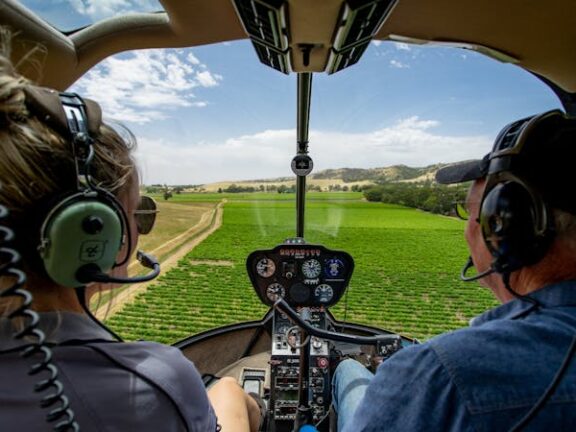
[82, 232]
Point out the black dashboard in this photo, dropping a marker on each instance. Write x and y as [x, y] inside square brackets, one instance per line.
[305, 275]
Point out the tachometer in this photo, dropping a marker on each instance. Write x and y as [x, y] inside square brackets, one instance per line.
[311, 269]
[275, 291]
[323, 293]
[265, 267]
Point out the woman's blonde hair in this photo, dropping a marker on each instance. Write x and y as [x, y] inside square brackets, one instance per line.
[37, 166]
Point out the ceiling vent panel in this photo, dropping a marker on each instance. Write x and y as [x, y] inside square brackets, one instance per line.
[265, 22]
[359, 22]
[269, 56]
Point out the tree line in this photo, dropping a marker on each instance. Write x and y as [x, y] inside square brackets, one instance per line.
[428, 196]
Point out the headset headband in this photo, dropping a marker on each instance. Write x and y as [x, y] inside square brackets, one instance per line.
[47, 105]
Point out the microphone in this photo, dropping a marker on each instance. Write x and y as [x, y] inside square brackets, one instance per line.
[469, 264]
[92, 273]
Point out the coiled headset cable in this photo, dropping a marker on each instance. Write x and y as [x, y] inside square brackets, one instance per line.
[57, 400]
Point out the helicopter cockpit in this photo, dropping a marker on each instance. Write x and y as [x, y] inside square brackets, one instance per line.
[289, 356]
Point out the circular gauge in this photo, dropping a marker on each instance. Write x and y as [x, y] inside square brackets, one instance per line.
[323, 293]
[311, 269]
[334, 268]
[275, 291]
[265, 267]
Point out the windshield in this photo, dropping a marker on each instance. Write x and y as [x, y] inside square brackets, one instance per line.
[216, 133]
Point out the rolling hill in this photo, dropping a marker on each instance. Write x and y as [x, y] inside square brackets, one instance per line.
[339, 177]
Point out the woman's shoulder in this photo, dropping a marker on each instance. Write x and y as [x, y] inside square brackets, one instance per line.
[167, 369]
[148, 356]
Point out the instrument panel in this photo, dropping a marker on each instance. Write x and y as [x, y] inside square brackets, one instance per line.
[303, 274]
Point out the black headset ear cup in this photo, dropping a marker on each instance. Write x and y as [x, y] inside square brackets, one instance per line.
[514, 225]
[80, 231]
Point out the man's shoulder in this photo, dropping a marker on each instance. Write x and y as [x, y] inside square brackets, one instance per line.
[472, 340]
[482, 347]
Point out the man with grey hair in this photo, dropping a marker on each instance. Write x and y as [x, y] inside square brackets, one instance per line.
[513, 367]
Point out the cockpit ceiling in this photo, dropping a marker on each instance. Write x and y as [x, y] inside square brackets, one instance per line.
[540, 35]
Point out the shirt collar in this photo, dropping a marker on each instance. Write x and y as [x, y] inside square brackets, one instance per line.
[558, 294]
[59, 327]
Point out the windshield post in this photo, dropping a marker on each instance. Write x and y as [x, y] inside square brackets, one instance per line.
[303, 122]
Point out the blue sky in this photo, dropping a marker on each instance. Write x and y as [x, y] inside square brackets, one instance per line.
[215, 113]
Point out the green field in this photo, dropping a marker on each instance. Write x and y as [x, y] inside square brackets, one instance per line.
[406, 276]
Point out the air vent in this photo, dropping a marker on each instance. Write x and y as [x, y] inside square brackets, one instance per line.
[510, 135]
[269, 56]
[265, 22]
[359, 22]
[343, 59]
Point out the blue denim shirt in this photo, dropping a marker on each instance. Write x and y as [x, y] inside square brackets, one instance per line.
[482, 378]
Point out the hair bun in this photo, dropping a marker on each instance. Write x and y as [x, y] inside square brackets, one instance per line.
[12, 97]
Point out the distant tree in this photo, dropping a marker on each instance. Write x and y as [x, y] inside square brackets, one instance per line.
[219, 190]
[373, 194]
[153, 189]
[167, 192]
[234, 188]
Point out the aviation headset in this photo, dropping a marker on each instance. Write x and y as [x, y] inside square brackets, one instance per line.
[84, 230]
[516, 221]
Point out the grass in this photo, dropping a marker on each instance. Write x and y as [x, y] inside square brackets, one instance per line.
[173, 218]
[407, 263]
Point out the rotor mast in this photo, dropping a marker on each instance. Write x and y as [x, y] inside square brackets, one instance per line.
[302, 163]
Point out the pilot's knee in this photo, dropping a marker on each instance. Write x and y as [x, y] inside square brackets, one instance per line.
[347, 366]
[225, 385]
[228, 381]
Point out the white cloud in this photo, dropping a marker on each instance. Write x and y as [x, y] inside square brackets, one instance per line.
[266, 154]
[100, 9]
[402, 46]
[145, 85]
[192, 59]
[206, 79]
[377, 42]
[398, 64]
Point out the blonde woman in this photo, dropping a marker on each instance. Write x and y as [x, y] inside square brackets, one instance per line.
[110, 385]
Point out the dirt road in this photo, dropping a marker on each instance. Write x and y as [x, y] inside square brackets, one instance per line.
[188, 240]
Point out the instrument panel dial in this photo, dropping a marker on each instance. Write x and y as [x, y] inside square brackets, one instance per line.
[275, 291]
[265, 267]
[324, 293]
[311, 268]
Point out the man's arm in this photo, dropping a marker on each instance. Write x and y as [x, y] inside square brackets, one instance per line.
[411, 391]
